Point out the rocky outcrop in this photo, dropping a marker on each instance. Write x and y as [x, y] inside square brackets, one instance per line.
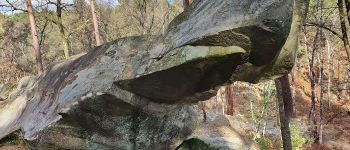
[125, 127]
[221, 133]
[133, 93]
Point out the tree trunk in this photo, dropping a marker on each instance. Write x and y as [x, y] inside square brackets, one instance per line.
[329, 74]
[229, 100]
[186, 4]
[347, 6]
[39, 64]
[64, 38]
[343, 28]
[320, 139]
[223, 106]
[312, 76]
[284, 95]
[203, 108]
[95, 22]
[236, 100]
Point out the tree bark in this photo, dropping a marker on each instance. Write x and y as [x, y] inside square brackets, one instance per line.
[229, 100]
[329, 73]
[312, 113]
[186, 4]
[343, 28]
[203, 108]
[39, 64]
[284, 95]
[95, 23]
[347, 6]
[320, 133]
[64, 38]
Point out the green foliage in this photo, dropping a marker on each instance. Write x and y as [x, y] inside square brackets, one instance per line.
[21, 17]
[261, 109]
[264, 143]
[298, 141]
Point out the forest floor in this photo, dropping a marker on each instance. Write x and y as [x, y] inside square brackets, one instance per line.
[336, 124]
[336, 120]
[259, 120]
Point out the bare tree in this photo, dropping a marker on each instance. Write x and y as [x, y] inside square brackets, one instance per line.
[59, 23]
[37, 52]
[95, 22]
[329, 82]
[320, 133]
[229, 100]
[285, 105]
[347, 6]
[343, 27]
[312, 76]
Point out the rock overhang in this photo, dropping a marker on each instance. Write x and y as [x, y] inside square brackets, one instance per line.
[236, 40]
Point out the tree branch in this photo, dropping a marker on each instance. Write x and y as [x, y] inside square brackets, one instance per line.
[13, 6]
[313, 24]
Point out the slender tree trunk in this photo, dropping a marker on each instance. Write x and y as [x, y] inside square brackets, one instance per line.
[284, 95]
[235, 99]
[312, 76]
[251, 104]
[229, 100]
[343, 28]
[312, 112]
[202, 105]
[329, 74]
[39, 64]
[320, 133]
[186, 4]
[321, 81]
[338, 81]
[64, 38]
[347, 5]
[95, 22]
[223, 106]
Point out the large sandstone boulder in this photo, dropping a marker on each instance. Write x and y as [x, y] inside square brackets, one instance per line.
[133, 93]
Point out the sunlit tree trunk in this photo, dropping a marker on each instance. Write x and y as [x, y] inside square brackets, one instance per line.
[329, 73]
[321, 77]
[64, 38]
[229, 100]
[285, 104]
[39, 64]
[236, 100]
[220, 101]
[95, 23]
[223, 106]
[320, 133]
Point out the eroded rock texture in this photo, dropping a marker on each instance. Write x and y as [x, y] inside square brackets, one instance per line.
[132, 93]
